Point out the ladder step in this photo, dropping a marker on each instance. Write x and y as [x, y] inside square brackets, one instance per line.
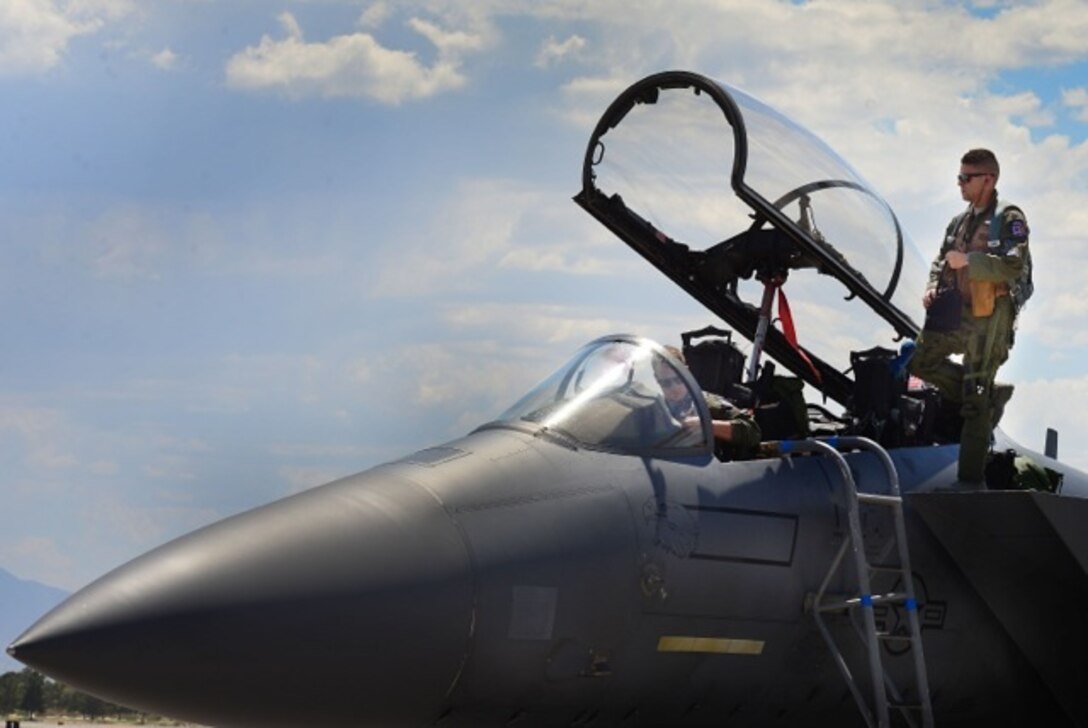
[887, 568]
[888, 637]
[876, 499]
[904, 706]
[889, 598]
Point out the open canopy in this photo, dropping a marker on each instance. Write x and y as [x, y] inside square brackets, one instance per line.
[722, 192]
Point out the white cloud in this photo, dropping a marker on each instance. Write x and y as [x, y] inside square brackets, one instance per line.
[355, 65]
[1042, 33]
[1077, 99]
[290, 25]
[375, 15]
[34, 34]
[165, 60]
[448, 43]
[554, 51]
[942, 37]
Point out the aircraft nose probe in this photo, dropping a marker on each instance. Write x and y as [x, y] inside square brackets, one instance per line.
[353, 594]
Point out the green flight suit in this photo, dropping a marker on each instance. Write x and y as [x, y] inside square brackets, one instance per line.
[984, 341]
[746, 433]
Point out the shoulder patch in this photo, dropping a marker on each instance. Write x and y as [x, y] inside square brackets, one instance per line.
[1018, 229]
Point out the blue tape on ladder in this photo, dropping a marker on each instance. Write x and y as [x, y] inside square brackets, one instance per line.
[785, 447]
[912, 606]
[867, 600]
[833, 442]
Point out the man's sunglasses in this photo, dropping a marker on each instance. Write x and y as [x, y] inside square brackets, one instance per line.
[964, 177]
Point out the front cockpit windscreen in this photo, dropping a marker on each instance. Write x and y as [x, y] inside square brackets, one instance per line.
[672, 162]
[616, 394]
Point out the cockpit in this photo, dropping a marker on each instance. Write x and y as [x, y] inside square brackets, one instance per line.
[737, 204]
[621, 394]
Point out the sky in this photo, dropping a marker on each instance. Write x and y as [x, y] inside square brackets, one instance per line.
[248, 247]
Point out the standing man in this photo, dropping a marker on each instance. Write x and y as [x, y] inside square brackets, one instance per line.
[977, 284]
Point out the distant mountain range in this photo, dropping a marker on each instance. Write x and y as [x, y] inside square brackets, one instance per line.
[21, 603]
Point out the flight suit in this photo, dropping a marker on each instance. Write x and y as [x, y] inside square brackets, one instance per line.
[993, 284]
[746, 433]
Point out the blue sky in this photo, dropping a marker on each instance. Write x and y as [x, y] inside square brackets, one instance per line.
[249, 247]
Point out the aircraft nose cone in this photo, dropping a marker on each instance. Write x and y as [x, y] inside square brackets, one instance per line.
[356, 596]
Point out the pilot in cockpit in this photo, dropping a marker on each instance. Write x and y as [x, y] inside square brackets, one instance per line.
[730, 424]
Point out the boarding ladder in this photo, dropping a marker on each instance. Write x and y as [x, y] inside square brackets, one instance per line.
[886, 696]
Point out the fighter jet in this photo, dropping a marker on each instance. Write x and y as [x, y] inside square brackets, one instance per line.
[592, 557]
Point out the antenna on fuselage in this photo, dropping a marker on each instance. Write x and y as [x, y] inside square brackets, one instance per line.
[1051, 450]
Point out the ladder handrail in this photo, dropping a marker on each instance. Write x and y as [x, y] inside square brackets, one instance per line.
[876, 669]
[866, 600]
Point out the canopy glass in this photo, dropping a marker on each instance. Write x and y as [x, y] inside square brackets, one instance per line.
[618, 393]
[706, 164]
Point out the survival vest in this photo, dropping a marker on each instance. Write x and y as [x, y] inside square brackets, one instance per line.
[1021, 289]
